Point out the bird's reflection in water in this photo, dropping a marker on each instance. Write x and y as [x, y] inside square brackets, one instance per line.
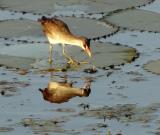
[60, 92]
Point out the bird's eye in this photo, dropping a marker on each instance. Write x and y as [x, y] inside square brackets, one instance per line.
[84, 45]
[88, 42]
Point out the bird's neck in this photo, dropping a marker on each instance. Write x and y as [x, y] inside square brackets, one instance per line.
[74, 40]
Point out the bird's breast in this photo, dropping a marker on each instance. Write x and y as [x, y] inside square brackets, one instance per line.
[54, 39]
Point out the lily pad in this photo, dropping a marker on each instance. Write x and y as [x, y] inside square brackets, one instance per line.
[27, 56]
[16, 62]
[19, 28]
[89, 6]
[136, 20]
[106, 54]
[28, 29]
[103, 55]
[153, 66]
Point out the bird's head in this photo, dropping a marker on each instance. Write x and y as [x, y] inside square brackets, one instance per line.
[43, 20]
[86, 46]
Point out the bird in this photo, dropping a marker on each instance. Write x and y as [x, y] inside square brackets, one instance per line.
[58, 32]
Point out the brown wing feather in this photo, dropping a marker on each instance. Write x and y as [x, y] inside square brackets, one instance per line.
[53, 25]
[60, 24]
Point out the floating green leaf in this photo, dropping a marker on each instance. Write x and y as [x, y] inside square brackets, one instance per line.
[136, 20]
[106, 54]
[16, 62]
[48, 6]
[103, 55]
[153, 66]
[32, 29]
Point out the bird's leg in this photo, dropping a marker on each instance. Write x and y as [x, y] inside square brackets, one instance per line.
[70, 59]
[50, 53]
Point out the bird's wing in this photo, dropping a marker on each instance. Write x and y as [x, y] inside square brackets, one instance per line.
[61, 26]
[54, 27]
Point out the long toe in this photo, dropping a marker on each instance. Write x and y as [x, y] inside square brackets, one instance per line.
[83, 62]
[73, 62]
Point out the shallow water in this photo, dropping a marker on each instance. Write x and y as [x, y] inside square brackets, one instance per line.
[153, 7]
[23, 109]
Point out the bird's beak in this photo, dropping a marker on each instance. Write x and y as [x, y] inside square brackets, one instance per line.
[88, 51]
